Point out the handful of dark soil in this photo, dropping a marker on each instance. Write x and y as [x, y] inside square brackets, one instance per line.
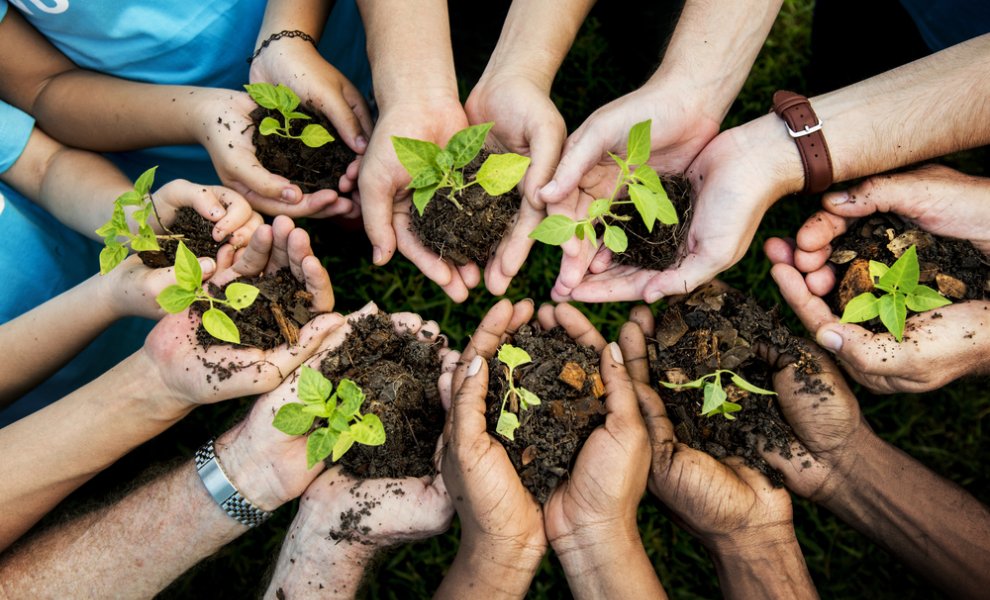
[398, 374]
[197, 235]
[719, 328]
[470, 233]
[659, 249]
[312, 169]
[564, 374]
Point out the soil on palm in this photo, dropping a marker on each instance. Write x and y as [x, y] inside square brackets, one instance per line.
[469, 233]
[312, 169]
[197, 235]
[720, 328]
[660, 248]
[954, 267]
[275, 317]
[564, 375]
[398, 374]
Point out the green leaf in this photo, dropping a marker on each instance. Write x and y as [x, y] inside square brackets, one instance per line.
[697, 383]
[863, 307]
[638, 148]
[646, 203]
[188, 273]
[445, 161]
[416, 155]
[648, 177]
[263, 94]
[175, 299]
[313, 387]
[369, 431]
[298, 115]
[589, 232]
[145, 239]
[344, 442]
[666, 213]
[339, 422]
[351, 397]
[730, 407]
[749, 387]
[466, 143]
[501, 172]
[144, 182]
[598, 208]
[507, 425]
[925, 298]
[903, 274]
[319, 445]
[527, 397]
[422, 197]
[130, 198]
[314, 136]
[715, 396]
[291, 420]
[513, 356]
[615, 239]
[424, 179]
[112, 255]
[219, 325]
[240, 295]
[286, 99]
[554, 230]
[107, 231]
[622, 164]
[893, 313]
[319, 410]
[269, 126]
[877, 270]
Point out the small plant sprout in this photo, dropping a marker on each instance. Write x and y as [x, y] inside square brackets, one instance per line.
[517, 398]
[341, 409]
[902, 293]
[433, 168]
[285, 101]
[189, 288]
[716, 401]
[115, 251]
[646, 194]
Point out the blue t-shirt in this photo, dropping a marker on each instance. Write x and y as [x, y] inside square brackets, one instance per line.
[944, 23]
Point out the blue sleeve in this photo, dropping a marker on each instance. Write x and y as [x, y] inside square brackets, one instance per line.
[15, 129]
[3, 9]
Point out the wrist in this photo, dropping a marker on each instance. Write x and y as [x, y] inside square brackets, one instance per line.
[597, 549]
[753, 542]
[498, 567]
[854, 472]
[250, 470]
[152, 395]
[766, 141]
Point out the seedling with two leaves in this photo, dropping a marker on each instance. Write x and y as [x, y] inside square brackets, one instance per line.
[115, 250]
[646, 194]
[189, 288]
[433, 168]
[517, 398]
[716, 400]
[902, 293]
[341, 410]
[285, 101]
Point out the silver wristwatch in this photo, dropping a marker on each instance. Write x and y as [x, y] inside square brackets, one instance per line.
[223, 491]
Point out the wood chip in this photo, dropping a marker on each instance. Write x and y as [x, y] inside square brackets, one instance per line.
[289, 330]
[927, 272]
[950, 286]
[597, 387]
[676, 376]
[915, 237]
[841, 257]
[573, 375]
[672, 328]
[856, 281]
[528, 455]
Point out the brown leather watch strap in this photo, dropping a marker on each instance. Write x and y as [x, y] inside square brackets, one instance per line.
[806, 128]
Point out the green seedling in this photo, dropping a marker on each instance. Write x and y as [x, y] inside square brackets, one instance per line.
[345, 424]
[189, 288]
[902, 293]
[285, 101]
[517, 398]
[115, 250]
[646, 194]
[716, 401]
[433, 168]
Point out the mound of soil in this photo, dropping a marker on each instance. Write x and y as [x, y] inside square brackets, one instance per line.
[197, 235]
[954, 267]
[470, 233]
[564, 374]
[275, 317]
[398, 374]
[720, 328]
[312, 169]
[660, 249]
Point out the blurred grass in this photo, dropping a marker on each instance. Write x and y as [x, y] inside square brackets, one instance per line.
[944, 430]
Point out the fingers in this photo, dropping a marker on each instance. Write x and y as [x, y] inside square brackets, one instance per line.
[811, 309]
[577, 326]
[693, 271]
[633, 345]
[468, 410]
[642, 315]
[251, 261]
[159, 279]
[282, 227]
[658, 426]
[340, 110]
[545, 147]
[501, 319]
[584, 148]
[818, 231]
[318, 284]
[779, 250]
[620, 398]
[377, 193]
[315, 204]
[751, 477]
[512, 250]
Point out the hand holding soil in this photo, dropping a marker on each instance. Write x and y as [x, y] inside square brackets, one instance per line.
[131, 288]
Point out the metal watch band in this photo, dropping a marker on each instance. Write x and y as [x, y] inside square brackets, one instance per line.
[223, 491]
[805, 128]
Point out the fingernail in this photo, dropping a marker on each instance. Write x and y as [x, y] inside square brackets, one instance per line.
[616, 353]
[376, 256]
[838, 198]
[549, 188]
[361, 142]
[830, 340]
[207, 264]
[652, 296]
[288, 195]
[474, 367]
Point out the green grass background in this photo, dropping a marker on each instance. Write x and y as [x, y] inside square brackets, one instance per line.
[614, 52]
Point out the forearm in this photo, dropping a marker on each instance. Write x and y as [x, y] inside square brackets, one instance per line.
[490, 570]
[758, 569]
[309, 16]
[131, 550]
[929, 523]
[616, 568]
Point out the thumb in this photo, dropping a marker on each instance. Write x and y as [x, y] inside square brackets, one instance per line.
[544, 150]
[377, 196]
[883, 193]
[581, 153]
[876, 354]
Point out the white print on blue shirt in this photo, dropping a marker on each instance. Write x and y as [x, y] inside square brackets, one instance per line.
[52, 7]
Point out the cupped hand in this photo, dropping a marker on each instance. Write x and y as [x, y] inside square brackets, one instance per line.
[231, 215]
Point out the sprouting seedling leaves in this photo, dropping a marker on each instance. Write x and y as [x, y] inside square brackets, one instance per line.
[646, 194]
[433, 168]
[517, 398]
[188, 288]
[715, 399]
[285, 101]
[343, 423]
[901, 292]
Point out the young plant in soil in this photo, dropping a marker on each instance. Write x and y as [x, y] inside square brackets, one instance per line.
[516, 398]
[285, 101]
[645, 191]
[115, 251]
[189, 289]
[339, 409]
[469, 222]
[716, 401]
[902, 292]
